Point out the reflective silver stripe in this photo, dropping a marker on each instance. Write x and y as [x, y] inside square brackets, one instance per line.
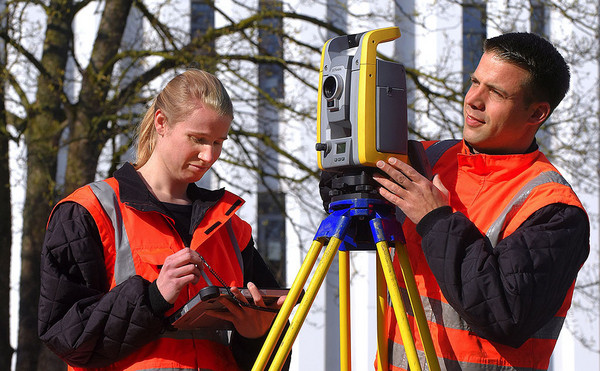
[124, 266]
[236, 246]
[515, 204]
[217, 336]
[438, 312]
[397, 357]
[443, 314]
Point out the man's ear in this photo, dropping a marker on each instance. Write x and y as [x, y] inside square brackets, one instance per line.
[160, 122]
[541, 111]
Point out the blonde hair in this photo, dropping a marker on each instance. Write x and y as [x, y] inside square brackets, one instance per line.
[176, 101]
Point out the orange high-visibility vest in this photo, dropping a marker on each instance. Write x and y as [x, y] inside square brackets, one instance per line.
[515, 192]
[137, 243]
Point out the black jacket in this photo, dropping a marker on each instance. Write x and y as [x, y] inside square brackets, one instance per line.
[75, 301]
[485, 286]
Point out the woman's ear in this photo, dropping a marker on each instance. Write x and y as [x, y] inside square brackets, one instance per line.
[540, 113]
[160, 122]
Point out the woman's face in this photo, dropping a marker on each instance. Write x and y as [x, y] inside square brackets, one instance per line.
[187, 149]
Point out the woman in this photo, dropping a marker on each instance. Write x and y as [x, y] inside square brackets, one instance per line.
[123, 254]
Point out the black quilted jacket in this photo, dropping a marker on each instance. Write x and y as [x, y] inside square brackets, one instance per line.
[75, 303]
[503, 301]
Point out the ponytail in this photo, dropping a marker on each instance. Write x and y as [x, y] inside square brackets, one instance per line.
[146, 137]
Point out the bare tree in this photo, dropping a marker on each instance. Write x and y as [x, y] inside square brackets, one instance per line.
[89, 120]
[47, 117]
[5, 207]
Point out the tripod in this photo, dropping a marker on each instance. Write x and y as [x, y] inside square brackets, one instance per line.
[352, 216]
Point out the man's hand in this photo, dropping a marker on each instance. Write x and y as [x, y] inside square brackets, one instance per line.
[178, 270]
[248, 322]
[414, 194]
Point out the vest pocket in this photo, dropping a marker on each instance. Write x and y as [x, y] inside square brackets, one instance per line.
[154, 257]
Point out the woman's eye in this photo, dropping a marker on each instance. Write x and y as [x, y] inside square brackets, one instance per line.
[197, 140]
[200, 140]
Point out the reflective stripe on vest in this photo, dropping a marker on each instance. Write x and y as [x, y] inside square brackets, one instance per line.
[443, 314]
[399, 355]
[515, 204]
[124, 265]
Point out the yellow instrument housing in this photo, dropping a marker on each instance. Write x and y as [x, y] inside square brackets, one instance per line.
[361, 102]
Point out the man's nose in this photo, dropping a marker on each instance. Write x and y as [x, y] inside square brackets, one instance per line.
[474, 98]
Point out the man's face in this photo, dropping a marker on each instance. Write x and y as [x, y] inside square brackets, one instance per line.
[497, 120]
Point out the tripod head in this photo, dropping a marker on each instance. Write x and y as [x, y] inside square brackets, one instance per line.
[353, 193]
[355, 188]
[354, 183]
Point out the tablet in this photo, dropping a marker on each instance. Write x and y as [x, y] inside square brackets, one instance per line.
[193, 314]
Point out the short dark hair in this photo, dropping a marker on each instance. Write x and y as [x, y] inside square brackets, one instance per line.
[549, 73]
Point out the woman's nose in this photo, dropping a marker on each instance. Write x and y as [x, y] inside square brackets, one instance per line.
[207, 154]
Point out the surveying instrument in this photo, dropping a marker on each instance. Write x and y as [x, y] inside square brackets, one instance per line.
[361, 119]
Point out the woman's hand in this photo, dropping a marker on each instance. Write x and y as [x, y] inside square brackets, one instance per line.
[178, 270]
[248, 322]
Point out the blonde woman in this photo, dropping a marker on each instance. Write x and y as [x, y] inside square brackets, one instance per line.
[121, 255]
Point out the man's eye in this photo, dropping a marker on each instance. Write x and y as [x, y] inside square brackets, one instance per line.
[497, 94]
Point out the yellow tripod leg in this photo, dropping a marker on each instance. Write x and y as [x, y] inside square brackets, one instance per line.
[288, 305]
[417, 307]
[398, 306]
[382, 341]
[305, 304]
[345, 317]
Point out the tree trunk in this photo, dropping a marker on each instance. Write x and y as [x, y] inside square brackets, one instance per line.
[88, 131]
[6, 351]
[41, 138]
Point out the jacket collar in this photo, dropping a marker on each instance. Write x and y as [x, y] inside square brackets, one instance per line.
[497, 167]
[469, 149]
[134, 193]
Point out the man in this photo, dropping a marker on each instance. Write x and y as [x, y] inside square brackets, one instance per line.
[497, 238]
